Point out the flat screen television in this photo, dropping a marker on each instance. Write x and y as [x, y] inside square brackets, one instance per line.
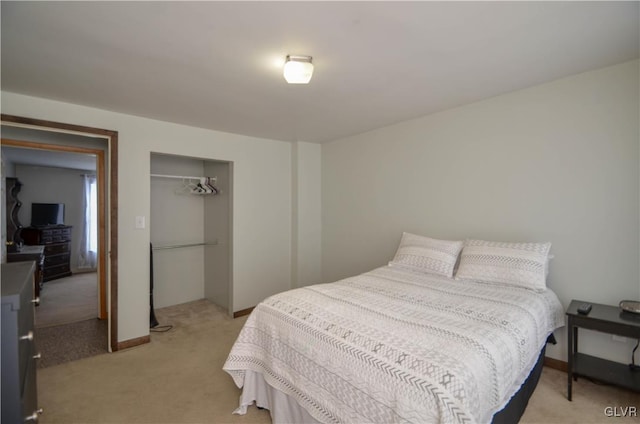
[43, 214]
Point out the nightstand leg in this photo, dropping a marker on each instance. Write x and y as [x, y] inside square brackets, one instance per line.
[570, 339]
[575, 347]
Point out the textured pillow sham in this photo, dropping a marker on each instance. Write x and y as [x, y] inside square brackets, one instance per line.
[427, 255]
[520, 264]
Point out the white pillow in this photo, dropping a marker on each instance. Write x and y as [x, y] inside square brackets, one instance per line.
[520, 264]
[424, 254]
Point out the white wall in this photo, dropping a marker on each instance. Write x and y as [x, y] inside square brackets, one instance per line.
[218, 223]
[307, 210]
[262, 200]
[556, 162]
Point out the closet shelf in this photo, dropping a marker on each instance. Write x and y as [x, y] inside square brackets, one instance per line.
[194, 185]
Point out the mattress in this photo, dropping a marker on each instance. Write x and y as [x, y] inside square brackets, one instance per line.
[393, 345]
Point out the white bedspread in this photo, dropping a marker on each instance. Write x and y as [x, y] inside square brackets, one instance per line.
[392, 346]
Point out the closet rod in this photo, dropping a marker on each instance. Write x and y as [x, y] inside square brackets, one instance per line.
[177, 246]
[179, 177]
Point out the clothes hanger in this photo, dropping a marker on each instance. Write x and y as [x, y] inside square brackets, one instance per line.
[188, 186]
[204, 186]
[213, 187]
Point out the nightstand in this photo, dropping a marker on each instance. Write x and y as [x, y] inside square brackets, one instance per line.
[606, 319]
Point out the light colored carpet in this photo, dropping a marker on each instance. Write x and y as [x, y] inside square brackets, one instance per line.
[549, 402]
[178, 378]
[68, 299]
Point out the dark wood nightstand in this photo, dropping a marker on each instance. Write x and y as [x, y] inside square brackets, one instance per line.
[607, 319]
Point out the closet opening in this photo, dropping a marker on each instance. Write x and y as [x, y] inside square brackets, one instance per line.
[190, 226]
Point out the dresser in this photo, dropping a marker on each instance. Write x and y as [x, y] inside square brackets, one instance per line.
[56, 240]
[19, 393]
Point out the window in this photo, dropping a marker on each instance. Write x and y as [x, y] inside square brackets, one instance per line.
[93, 216]
[87, 257]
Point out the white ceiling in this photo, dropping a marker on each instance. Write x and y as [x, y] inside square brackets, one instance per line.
[218, 64]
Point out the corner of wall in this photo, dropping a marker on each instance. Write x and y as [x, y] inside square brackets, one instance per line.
[306, 234]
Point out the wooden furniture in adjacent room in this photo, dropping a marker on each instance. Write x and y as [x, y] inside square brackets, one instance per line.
[13, 207]
[56, 240]
[607, 319]
[19, 393]
[31, 253]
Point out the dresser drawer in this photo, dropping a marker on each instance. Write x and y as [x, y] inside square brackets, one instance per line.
[60, 238]
[30, 392]
[52, 260]
[26, 350]
[54, 249]
[63, 234]
[19, 393]
[25, 328]
[54, 239]
[56, 271]
[36, 236]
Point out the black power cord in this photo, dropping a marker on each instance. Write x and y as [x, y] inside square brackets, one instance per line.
[161, 328]
[633, 365]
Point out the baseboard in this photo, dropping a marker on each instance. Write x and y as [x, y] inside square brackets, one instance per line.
[243, 312]
[556, 364]
[133, 342]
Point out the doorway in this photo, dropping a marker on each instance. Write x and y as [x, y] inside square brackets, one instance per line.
[106, 171]
[67, 154]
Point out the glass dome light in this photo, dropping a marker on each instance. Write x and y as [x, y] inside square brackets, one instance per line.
[298, 69]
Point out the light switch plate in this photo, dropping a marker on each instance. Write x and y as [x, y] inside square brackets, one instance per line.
[140, 222]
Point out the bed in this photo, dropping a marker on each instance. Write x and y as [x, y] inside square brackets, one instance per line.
[398, 344]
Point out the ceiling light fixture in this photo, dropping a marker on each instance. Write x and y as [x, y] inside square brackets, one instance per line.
[298, 69]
